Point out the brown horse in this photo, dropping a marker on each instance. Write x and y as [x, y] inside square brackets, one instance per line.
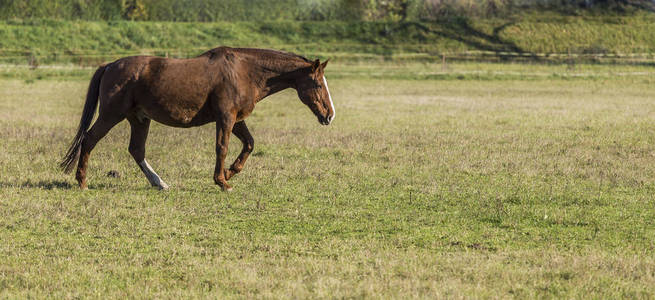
[222, 85]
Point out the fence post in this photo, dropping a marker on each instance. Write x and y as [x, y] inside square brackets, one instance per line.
[32, 62]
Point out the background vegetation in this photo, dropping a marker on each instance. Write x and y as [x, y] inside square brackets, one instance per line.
[301, 10]
[90, 32]
[536, 38]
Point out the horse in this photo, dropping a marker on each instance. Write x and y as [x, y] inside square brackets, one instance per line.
[222, 85]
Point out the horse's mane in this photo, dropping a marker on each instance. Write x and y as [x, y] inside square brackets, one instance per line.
[268, 53]
[274, 60]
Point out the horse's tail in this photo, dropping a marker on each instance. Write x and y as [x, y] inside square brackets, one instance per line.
[90, 105]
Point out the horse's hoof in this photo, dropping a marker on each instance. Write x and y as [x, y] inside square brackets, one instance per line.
[163, 187]
[226, 188]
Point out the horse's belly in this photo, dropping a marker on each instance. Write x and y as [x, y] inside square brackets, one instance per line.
[179, 113]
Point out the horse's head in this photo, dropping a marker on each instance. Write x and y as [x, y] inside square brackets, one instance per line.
[313, 91]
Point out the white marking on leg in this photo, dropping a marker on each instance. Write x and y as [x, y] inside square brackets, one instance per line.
[334, 112]
[152, 176]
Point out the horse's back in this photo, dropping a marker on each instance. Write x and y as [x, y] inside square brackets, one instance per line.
[150, 68]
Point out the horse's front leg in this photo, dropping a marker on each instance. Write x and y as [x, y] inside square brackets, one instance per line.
[241, 131]
[224, 126]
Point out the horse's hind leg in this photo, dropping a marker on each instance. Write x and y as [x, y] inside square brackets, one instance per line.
[139, 135]
[99, 129]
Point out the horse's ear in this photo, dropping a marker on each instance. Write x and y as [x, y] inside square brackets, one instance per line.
[324, 63]
[315, 65]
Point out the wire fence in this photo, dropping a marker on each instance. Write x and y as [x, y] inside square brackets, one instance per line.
[87, 58]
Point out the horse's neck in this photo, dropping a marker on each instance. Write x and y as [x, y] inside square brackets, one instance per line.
[275, 73]
[274, 86]
[270, 83]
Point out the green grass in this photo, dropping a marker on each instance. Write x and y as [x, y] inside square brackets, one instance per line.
[430, 187]
[549, 37]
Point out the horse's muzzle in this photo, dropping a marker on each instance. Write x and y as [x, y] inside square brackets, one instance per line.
[325, 120]
[330, 118]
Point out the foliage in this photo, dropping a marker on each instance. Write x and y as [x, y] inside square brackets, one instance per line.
[134, 10]
[543, 37]
[266, 10]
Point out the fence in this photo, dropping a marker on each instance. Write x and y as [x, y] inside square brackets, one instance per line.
[23, 57]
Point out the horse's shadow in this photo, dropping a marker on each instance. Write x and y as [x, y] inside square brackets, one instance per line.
[42, 184]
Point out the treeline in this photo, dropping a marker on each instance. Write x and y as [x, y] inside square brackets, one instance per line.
[301, 10]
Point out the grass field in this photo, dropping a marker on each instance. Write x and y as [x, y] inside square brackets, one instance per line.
[546, 35]
[474, 180]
